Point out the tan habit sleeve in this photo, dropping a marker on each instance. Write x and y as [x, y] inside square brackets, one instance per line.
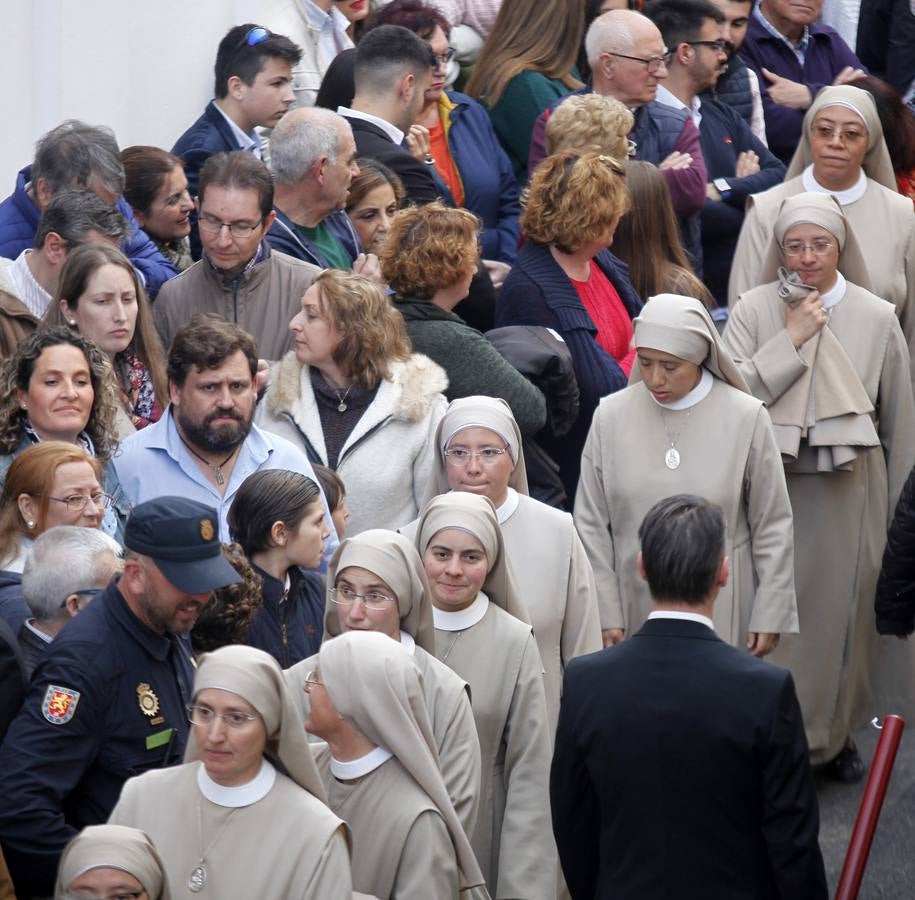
[750, 247]
[581, 624]
[332, 879]
[428, 863]
[896, 426]
[460, 763]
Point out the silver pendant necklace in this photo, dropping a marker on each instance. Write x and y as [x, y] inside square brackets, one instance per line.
[341, 401]
[672, 456]
[197, 880]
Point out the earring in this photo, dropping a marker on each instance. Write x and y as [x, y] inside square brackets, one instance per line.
[30, 524]
[71, 323]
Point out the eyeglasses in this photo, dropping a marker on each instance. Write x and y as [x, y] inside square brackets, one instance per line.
[845, 135]
[460, 456]
[818, 248]
[442, 59]
[652, 63]
[719, 46]
[203, 715]
[211, 225]
[346, 596]
[78, 502]
[311, 678]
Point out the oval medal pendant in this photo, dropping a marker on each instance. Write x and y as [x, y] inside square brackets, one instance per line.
[672, 458]
[342, 407]
[198, 879]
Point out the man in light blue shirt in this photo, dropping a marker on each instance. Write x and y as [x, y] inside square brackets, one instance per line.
[206, 444]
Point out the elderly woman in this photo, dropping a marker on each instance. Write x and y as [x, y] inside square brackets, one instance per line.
[377, 583]
[351, 393]
[111, 861]
[590, 122]
[699, 432]
[565, 278]
[482, 632]
[829, 360]
[366, 700]
[842, 152]
[229, 792]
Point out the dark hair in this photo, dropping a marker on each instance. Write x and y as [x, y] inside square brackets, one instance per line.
[682, 540]
[236, 57]
[146, 168]
[897, 120]
[206, 342]
[332, 485]
[74, 153]
[420, 18]
[388, 52]
[338, 86]
[265, 497]
[73, 213]
[680, 21]
[373, 174]
[239, 170]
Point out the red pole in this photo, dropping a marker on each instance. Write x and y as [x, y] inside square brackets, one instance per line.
[859, 846]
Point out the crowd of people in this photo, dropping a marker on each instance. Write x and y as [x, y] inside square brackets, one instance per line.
[477, 454]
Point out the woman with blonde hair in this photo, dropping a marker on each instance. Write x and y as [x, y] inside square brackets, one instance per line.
[590, 122]
[351, 393]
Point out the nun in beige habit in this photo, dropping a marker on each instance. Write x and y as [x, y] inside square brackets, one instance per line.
[367, 702]
[833, 369]
[482, 631]
[881, 217]
[115, 858]
[687, 423]
[229, 822]
[548, 562]
[384, 562]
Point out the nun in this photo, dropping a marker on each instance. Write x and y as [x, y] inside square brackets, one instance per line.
[367, 703]
[483, 632]
[377, 583]
[248, 776]
[687, 423]
[829, 360]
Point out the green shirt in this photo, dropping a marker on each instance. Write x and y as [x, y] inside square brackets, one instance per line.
[331, 249]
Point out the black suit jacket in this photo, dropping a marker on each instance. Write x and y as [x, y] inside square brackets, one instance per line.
[681, 771]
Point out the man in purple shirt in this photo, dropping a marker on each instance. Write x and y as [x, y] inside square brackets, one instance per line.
[793, 59]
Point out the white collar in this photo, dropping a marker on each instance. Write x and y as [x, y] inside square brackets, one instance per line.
[849, 195]
[33, 296]
[249, 142]
[321, 19]
[696, 395]
[37, 631]
[684, 616]
[507, 509]
[836, 292]
[392, 131]
[407, 642]
[356, 768]
[242, 794]
[668, 98]
[463, 618]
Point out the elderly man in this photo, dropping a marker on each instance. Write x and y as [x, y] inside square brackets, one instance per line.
[108, 700]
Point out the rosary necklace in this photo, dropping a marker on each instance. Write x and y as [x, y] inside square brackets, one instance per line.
[216, 470]
[197, 880]
[451, 646]
[672, 456]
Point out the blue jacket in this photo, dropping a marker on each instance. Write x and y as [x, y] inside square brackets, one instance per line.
[538, 292]
[19, 221]
[286, 238]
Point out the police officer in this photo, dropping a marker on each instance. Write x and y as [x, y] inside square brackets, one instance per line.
[108, 701]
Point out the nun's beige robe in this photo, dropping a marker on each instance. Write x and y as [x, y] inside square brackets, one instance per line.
[728, 456]
[453, 727]
[286, 846]
[840, 517]
[513, 837]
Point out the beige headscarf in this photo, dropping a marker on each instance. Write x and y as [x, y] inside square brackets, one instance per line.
[379, 689]
[877, 164]
[827, 405]
[682, 327]
[114, 847]
[477, 516]
[394, 559]
[492, 413]
[257, 678]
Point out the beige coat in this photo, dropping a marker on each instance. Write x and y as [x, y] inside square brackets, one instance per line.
[729, 456]
[840, 517]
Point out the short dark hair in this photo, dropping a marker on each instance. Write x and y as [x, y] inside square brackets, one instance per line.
[236, 57]
[682, 541]
[265, 497]
[206, 342]
[240, 170]
[421, 18]
[74, 153]
[146, 168]
[332, 485]
[388, 52]
[680, 21]
[72, 214]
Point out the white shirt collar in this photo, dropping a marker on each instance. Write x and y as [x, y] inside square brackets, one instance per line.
[684, 616]
[356, 768]
[463, 618]
[249, 142]
[836, 292]
[696, 395]
[35, 298]
[392, 131]
[407, 642]
[849, 195]
[37, 631]
[505, 511]
[668, 98]
[241, 795]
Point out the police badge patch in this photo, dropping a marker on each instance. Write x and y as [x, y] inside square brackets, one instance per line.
[59, 704]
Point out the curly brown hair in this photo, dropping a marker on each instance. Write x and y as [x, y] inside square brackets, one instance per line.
[16, 373]
[574, 198]
[429, 248]
[590, 122]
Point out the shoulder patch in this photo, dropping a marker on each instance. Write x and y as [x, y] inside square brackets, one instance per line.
[59, 704]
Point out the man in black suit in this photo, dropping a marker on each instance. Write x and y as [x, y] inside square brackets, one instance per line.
[681, 768]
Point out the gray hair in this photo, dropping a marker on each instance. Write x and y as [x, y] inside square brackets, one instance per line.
[74, 154]
[74, 213]
[300, 139]
[62, 561]
[609, 32]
